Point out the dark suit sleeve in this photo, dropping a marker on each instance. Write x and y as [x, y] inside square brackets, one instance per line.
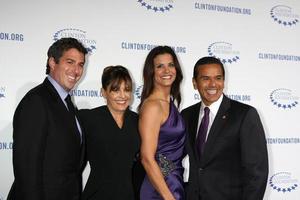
[191, 187]
[254, 157]
[29, 135]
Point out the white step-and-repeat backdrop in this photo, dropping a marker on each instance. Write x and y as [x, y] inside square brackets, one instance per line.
[257, 40]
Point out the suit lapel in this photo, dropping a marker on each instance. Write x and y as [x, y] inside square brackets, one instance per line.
[60, 103]
[215, 130]
[54, 94]
[193, 124]
[83, 142]
[56, 98]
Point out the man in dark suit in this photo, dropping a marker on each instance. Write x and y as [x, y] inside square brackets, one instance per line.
[228, 155]
[48, 144]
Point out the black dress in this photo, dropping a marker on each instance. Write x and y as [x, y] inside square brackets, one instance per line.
[111, 152]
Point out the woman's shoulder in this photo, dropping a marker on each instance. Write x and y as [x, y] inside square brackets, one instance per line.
[131, 116]
[132, 113]
[155, 107]
[151, 104]
[86, 113]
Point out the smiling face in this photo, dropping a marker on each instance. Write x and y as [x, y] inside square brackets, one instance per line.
[209, 82]
[69, 68]
[118, 98]
[164, 70]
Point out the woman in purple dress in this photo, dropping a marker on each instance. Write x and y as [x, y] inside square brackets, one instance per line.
[161, 127]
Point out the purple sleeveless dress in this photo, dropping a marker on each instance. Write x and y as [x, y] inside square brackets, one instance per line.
[169, 155]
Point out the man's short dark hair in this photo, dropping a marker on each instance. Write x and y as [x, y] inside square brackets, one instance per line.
[57, 49]
[208, 60]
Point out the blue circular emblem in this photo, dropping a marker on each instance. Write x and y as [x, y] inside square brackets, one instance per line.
[283, 182]
[224, 52]
[157, 5]
[283, 15]
[79, 35]
[283, 98]
[138, 91]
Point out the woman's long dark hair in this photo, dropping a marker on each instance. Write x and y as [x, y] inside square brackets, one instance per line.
[148, 74]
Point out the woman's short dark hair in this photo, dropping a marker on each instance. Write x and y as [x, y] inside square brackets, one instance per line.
[57, 49]
[148, 74]
[113, 76]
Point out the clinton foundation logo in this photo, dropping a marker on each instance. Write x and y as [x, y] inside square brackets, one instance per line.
[224, 51]
[80, 35]
[284, 98]
[2, 92]
[236, 97]
[157, 5]
[89, 93]
[6, 145]
[228, 9]
[19, 37]
[284, 15]
[283, 182]
[138, 92]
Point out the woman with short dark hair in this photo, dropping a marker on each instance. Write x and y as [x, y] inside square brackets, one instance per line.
[112, 139]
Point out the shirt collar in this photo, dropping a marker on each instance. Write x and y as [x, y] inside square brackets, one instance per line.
[60, 90]
[214, 107]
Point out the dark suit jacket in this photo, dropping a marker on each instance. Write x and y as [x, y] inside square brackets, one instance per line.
[47, 151]
[111, 152]
[234, 164]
